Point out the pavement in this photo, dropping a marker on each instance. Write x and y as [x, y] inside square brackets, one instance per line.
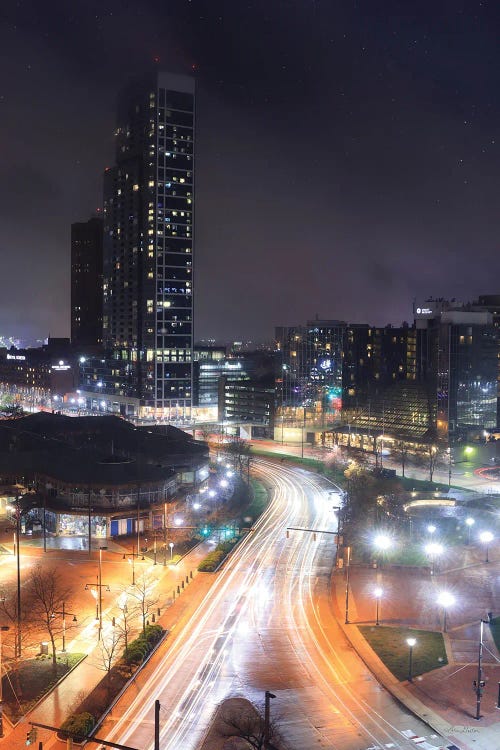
[445, 697]
[64, 698]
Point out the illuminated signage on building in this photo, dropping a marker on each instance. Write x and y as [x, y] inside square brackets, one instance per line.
[19, 357]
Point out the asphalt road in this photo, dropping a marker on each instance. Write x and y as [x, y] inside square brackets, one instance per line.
[268, 624]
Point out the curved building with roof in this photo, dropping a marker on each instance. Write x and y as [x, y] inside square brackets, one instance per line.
[98, 476]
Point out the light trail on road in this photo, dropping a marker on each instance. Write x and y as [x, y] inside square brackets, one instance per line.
[267, 625]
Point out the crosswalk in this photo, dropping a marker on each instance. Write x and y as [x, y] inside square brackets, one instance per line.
[421, 743]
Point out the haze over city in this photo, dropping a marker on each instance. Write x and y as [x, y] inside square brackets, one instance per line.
[347, 153]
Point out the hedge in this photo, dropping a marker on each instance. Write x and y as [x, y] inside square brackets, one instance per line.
[76, 726]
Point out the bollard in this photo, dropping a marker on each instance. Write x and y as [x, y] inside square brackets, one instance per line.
[178, 589]
[190, 573]
[147, 623]
[173, 595]
[187, 579]
[158, 611]
[182, 584]
[153, 617]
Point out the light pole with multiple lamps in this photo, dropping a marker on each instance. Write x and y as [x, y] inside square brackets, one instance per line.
[411, 643]
[63, 614]
[99, 586]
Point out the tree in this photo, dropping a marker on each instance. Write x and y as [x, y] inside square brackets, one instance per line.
[144, 594]
[238, 451]
[48, 593]
[247, 722]
[108, 646]
[361, 503]
[15, 641]
[430, 458]
[400, 452]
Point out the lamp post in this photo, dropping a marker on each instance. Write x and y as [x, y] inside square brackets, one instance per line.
[431, 528]
[378, 594]
[411, 642]
[132, 562]
[382, 543]
[486, 537]
[171, 545]
[470, 523]
[100, 586]
[267, 716]
[3, 627]
[445, 600]
[63, 614]
[348, 561]
[17, 544]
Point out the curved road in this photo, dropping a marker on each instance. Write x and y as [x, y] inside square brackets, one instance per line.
[268, 624]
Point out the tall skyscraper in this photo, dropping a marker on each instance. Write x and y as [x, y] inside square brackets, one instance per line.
[86, 283]
[148, 248]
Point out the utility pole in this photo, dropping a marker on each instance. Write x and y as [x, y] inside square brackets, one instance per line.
[157, 725]
[267, 718]
[18, 563]
[479, 683]
[347, 586]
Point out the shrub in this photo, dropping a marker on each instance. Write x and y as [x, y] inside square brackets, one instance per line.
[77, 726]
[137, 651]
[139, 648]
[154, 634]
[211, 561]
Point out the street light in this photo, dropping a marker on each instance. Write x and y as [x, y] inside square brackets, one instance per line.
[378, 594]
[63, 614]
[431, 528]
[486, 537]
[470, 523]
[98, 594]
[433, 550]
[411, 642]
[171, 545]
[382, 542]
[445, 600]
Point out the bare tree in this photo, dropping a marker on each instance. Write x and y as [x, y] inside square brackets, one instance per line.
[248, 723]
[430, 458]
[108, 646]
[238, 451]
[48, 594]
[144, 594]
[20, 635]
[400, 451]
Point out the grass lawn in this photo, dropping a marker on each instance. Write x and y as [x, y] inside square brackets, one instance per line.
[390, 646]
[35, 678]
[258, 499]
[495, 631]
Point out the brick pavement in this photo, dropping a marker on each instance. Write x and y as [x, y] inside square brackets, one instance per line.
[444, 698]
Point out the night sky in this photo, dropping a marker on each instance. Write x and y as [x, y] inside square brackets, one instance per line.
[348, 154]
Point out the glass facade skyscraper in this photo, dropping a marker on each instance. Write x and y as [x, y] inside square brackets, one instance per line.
[148, 247]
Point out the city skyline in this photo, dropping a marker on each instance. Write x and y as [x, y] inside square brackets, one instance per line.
[347, 156]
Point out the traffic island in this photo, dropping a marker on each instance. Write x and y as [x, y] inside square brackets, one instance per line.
[425, 652]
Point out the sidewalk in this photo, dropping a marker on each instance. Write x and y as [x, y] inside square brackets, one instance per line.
[444, 698]
[55, 707]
